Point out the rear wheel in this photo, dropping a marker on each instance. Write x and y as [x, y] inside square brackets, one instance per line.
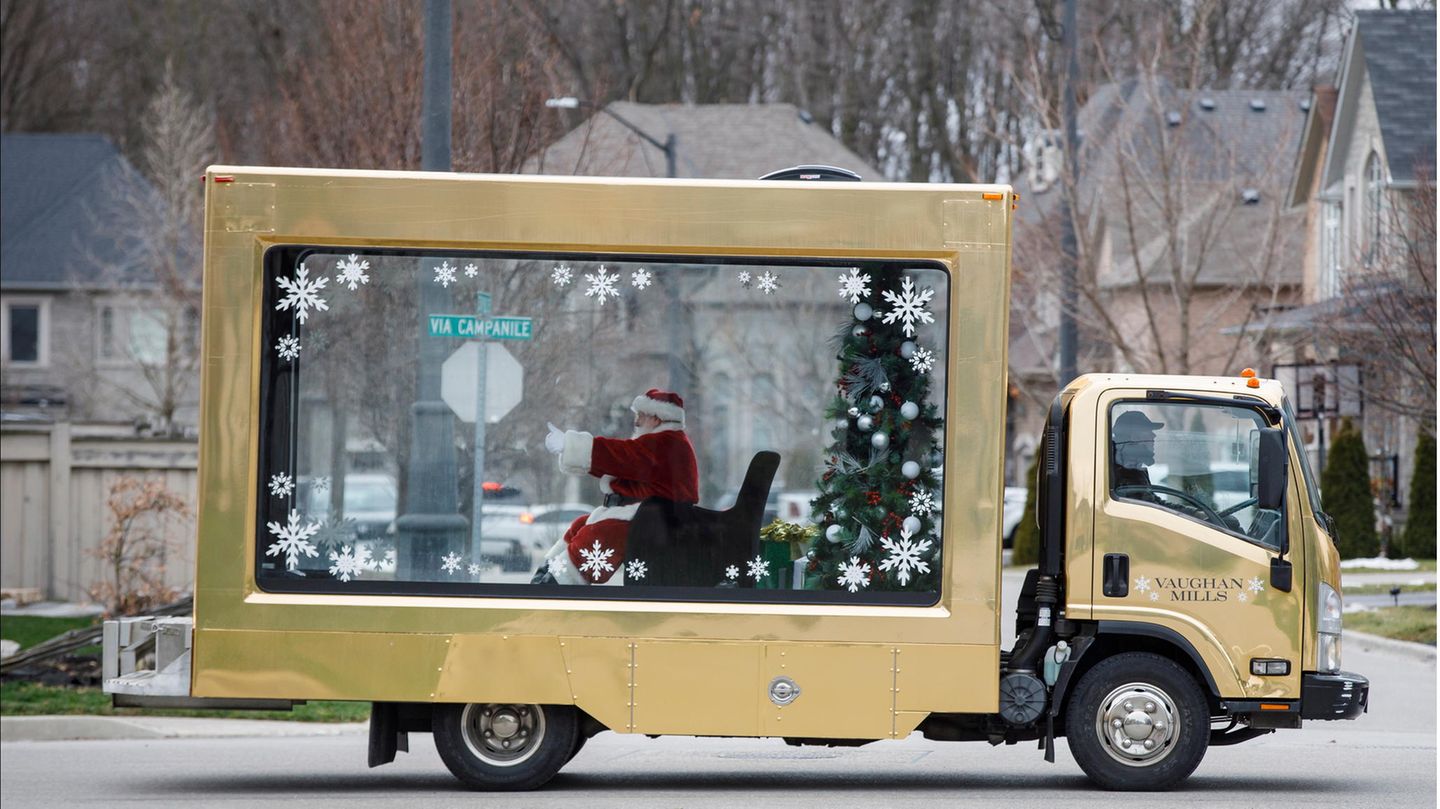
[1138, 721]
[501, 746]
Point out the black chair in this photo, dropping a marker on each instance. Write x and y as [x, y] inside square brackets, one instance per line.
[684, 545]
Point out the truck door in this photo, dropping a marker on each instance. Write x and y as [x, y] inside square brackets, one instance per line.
[1180, 546]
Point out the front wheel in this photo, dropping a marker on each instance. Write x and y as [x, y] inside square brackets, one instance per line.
[504, 747]
[1137, 722]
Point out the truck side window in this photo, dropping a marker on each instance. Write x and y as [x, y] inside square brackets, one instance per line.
[1191, 459]
[584, 426]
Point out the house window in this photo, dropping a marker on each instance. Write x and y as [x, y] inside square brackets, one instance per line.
[132, 335]
[26, 331]
[1330, 250]
[1374, 208]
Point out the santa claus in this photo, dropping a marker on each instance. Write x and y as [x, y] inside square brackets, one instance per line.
[656, 461]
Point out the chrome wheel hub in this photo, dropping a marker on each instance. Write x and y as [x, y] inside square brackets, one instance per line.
[1136, 724]
[503, 735]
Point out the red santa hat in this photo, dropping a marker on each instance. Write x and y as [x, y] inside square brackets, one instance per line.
[662, 404]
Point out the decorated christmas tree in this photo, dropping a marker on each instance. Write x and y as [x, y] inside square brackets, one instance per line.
[879, 503]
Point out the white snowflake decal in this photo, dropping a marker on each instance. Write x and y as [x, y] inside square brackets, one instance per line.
[757, 567]
[855, 285]
[302, 294]
[635, 569]
[1243, 596]
[445, 275]
[905, 557]
[855, 575]
[281, 484]
[767, 283]
[744, 278]
[473, 569]
[1154, 596]
[1142, 585]
[294, 540]
[450, 563]
[385, 564]
[640, 278]
[732, 573]
[288, 348]
[596, 560]
[352, 272]
[1255, 584]
[333, 533]
[346, 565]
[922, 502]
[922, 360]
[602, 284]
[471, 270]
[909, 307]
[557, 565]
[320, 484]
[561, 275]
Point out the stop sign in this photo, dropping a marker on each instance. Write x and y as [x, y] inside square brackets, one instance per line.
[504, 381]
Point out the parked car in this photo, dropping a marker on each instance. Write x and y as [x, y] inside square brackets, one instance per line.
[536, 527]
[369, 501]
[1015, 497]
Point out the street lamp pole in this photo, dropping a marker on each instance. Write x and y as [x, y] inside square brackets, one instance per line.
[667, 146]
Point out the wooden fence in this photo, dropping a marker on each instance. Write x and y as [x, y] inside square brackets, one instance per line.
[55, 480]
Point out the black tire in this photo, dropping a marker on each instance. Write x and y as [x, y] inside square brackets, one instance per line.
[543, 737]
[1162, 714]
[580, 739]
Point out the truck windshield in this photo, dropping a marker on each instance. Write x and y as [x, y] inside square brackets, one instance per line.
[1293, 429]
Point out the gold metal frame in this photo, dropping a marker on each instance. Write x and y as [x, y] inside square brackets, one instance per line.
[636, 666]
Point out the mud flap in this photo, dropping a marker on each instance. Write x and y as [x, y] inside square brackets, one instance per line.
[385, 734]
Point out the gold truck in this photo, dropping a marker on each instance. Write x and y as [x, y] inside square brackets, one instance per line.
[385, 516]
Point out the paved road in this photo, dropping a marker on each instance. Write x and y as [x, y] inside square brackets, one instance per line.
[1387, 758]
[1384, 759]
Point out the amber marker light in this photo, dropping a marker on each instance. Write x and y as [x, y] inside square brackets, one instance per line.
[992, 195]
[1252, 382]
[1248, 373]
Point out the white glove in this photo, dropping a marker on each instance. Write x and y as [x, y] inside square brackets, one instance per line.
[555, 441]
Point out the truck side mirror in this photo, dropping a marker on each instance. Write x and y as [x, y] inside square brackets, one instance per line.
[1273, 469]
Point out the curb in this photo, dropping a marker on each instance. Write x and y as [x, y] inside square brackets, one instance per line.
[71, 728]
[1418, 651]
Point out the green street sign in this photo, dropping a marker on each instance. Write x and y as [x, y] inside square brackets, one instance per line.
[488, 328]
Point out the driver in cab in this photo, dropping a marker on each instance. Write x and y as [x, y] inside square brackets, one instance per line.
[1133, 440]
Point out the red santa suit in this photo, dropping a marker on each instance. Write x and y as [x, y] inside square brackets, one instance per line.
[659, 462]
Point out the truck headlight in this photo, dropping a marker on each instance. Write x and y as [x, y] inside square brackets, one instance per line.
[1327, 656]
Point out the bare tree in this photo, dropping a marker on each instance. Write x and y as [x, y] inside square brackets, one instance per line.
[149, 292]
[1385, 314]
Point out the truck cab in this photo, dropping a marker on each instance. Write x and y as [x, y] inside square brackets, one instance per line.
[1151, 565]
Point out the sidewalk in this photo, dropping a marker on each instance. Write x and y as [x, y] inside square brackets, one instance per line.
[58, 728]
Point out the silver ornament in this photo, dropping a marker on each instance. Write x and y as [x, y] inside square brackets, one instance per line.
[910, 469]
[911, 526]
[865, 423]
[909, 411]
[876, 403]
[907, 349]
[842, 424]
[863, 311]
[859, 331]
[833, 533]
[880, 440]
[854, 411]
[884, 387]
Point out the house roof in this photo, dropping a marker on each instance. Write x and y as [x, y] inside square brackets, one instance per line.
[712, 141]
[1210, 146]
[1399, 52]
[54, 190]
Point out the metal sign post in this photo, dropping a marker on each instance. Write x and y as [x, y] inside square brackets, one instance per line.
[481, 330]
